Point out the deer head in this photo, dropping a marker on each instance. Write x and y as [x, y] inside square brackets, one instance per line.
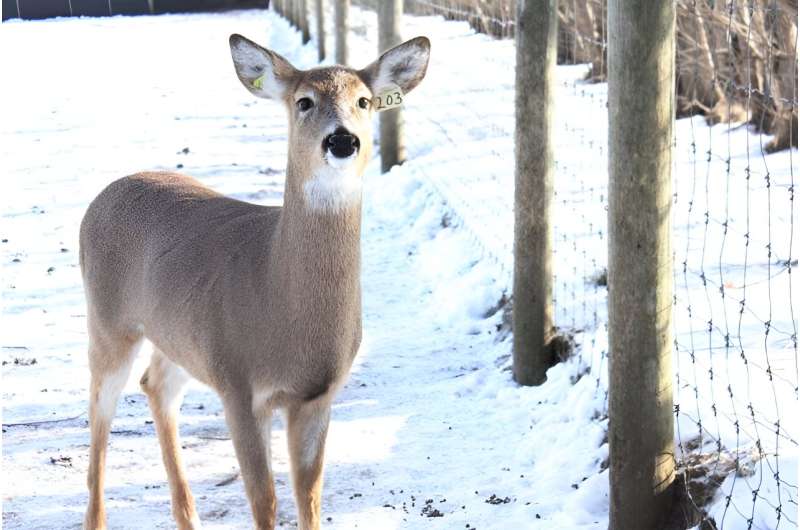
[330, 113]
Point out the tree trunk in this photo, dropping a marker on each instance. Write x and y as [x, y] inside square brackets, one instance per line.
[783, 87]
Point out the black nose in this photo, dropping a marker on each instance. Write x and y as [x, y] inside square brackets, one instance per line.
[341, 143]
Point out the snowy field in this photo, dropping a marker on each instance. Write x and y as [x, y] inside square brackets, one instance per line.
[430, 431]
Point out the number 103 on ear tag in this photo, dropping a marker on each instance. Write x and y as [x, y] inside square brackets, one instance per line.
[388, 98]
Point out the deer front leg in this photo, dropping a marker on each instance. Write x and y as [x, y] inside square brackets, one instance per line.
[307, 430]
[250, 434]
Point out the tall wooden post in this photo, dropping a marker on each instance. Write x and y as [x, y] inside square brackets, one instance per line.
[641, 85]
[393, 152]
[291, 11]
[536, 32]
[286, 10]
[341, 13]
[302, 8]
[320, 9]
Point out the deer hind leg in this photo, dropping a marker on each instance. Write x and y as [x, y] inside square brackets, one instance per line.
[110, 362]
[249, 424]
[164, 383]
[307, 430]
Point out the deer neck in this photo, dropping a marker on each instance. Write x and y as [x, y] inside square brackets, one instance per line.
[319, 234]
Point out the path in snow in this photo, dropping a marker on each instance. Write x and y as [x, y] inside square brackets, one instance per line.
[430, 431]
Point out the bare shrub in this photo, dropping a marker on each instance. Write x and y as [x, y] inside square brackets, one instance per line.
[736, 60]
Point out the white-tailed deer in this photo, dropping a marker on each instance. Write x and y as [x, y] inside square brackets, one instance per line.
[262, 304]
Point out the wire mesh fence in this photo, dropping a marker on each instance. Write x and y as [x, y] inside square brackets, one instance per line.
[735, 336]
[734, 239]
[736, 330]
[734, 210]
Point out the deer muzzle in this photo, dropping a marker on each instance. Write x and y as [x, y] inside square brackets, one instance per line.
[341, 144]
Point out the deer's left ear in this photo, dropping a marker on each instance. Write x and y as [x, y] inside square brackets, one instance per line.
[404, 65]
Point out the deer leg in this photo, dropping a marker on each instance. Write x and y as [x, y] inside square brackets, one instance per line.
[307, 430]
[164, 382]
[250, 434]
[110, 364]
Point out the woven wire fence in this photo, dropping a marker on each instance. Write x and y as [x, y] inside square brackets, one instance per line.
[734, 252]
[735, 326]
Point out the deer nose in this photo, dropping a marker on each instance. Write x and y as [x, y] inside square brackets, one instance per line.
[341, 143]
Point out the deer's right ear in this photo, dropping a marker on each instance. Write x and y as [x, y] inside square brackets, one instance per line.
[263, 72]
[404, 65]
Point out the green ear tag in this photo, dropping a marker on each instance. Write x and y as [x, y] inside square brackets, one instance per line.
[258, 82]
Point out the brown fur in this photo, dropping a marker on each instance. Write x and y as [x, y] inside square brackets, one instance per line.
[262, 304]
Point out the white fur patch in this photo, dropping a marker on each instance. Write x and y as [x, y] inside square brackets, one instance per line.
[266, 435]
[109, 391]
[260, 399]
[174, 386]
[334, 186]
[312, 439]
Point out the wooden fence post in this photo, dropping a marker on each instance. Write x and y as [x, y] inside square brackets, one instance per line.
[291, 12]
[302, 20]
[641, 110]
[320, 8]
[393, 152]
[536, 32]
[341, 15]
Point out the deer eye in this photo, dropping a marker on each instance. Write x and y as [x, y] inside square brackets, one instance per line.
[363, 103]
[303, 104]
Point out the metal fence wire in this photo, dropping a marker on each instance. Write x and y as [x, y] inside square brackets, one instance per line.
[735, 328]
[734, 210]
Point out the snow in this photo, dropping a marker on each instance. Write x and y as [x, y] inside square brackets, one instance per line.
[430, 421]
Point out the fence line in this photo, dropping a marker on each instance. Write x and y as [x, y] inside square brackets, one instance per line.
[735, 326]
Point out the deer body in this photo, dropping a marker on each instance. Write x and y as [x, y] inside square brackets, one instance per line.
[229, 265]
[262, 304]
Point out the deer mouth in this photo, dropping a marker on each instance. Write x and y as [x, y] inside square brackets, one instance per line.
[341, 144]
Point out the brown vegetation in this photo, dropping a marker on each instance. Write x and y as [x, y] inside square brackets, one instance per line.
[736, 61]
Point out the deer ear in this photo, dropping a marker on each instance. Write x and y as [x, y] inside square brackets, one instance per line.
[263, 72]
[404, 65]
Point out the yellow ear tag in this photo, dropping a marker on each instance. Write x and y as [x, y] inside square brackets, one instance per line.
[258, 82]
[389, 98]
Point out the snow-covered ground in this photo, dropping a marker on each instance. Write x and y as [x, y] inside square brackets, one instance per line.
[430, 431]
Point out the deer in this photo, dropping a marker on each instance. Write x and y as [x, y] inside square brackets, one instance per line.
[260, 303]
